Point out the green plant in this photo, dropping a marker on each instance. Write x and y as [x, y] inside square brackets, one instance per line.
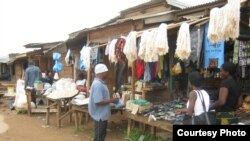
[135, 134]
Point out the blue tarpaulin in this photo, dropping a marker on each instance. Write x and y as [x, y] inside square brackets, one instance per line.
[213, 52]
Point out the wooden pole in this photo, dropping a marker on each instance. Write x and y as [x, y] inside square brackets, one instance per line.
[133, 81]
[133, 71]
[88, 73]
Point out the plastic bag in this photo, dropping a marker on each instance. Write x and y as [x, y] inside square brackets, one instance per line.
[56, 56]
[58, 67]
[176, 69]
[20, 99]
[56, 76]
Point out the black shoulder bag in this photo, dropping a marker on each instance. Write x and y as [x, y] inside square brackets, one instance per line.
[206, 118]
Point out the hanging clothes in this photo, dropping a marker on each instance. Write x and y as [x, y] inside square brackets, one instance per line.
[130, 49]
[107, 48]
[112, 57]
[161, 67]
[119, 69]
[161, 40]
[236, 52]
[143, 45]
[147, 73]
[85, 59]
[213, 52]
[244, 53]
[150, 53]
[67, 57]
[119, 49]
[196, 35]
[153, 69]
[139, 68]
[94, 56]
[183, 44]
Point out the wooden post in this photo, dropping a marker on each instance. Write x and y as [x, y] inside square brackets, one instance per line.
[76, 120]
[88, 72]
[88, 80]
[133, 70]
[129, 126]
[48, 110]
[133, 81]
[58, 114]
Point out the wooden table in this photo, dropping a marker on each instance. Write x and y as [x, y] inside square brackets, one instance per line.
[80, 110]
[146, 89]
[63, 109]
[84, 110]
[164, 125]
[38, 109]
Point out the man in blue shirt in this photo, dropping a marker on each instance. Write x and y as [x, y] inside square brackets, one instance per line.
[32, 74]
[99, 102]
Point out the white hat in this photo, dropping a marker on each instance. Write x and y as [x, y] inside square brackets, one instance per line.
[100, 68]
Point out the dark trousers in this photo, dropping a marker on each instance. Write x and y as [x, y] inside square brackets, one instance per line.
[33, 95]
[100, 130]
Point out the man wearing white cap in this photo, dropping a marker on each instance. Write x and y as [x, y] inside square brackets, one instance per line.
[99, 102]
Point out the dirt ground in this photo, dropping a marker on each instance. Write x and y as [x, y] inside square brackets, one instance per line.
[21, 127]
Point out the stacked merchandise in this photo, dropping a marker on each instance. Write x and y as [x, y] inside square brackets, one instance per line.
[63, 88]
[164, 112]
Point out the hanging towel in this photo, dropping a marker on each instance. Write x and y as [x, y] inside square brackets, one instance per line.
[183, 44]
[130, 49]
[161, 40]
[112, 57]
[143, 45]
[150, 53]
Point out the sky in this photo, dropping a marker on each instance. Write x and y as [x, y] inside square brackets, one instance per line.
[38, 21]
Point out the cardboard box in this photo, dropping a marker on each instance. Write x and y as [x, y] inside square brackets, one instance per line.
[138, 108]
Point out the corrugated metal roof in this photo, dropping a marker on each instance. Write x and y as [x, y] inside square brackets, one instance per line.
[40, 45]
[148, 15]
[177, 3]
[204, 4]
[143, 5]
